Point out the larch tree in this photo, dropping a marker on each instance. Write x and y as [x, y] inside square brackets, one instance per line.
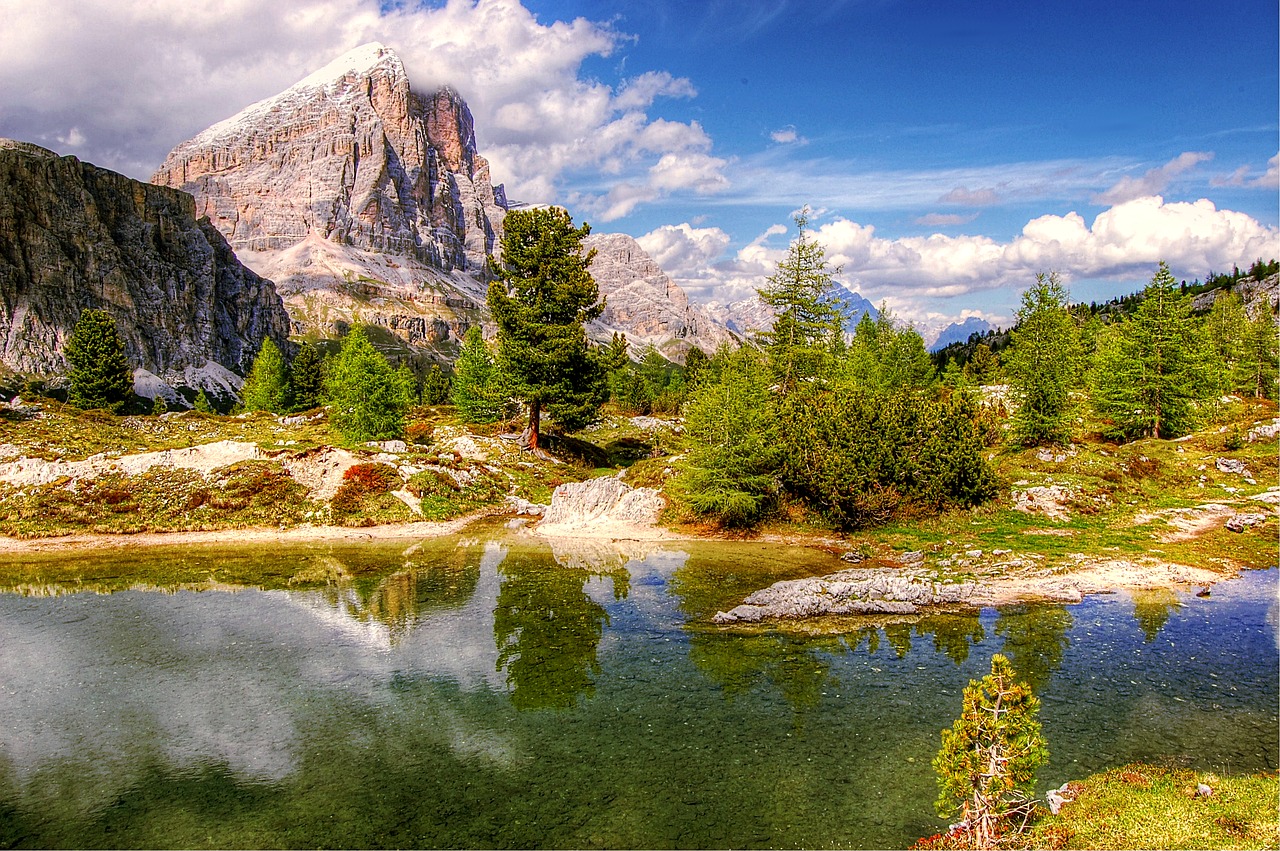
[1043, 364]
[475, 391]
[541, 297]
[801, 293]
[1148, 379]
[99, 372]
[265, 388]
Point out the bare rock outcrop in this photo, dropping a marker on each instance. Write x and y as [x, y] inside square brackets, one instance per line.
[856, 591]
[602, 507]
[75, 236]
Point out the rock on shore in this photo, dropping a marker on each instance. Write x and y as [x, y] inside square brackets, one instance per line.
[603, 507]
[857, 591]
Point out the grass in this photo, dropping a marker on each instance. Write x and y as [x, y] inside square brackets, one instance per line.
[1144, 806]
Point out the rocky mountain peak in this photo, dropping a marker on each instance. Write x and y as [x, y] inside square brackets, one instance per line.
[353, 154]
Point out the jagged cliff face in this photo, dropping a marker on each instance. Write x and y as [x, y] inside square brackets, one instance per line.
[352, 154]
[645, 304]
[74, 236]
[365, 202]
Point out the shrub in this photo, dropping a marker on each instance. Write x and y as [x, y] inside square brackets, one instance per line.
[361, 481]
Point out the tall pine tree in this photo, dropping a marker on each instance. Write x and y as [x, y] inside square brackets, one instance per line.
[541, 298]
[807, 313]
[476, 390]
[266, 386]
[99, 372]
[306, 379]
[1149, 376]
[368, 398]
[1043, 364]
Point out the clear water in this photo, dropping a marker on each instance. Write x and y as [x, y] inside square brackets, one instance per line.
[489, 692]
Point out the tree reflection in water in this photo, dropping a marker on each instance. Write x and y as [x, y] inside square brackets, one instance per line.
[426, 581]
[1151, 608]
[547, 629]
[1035, 640]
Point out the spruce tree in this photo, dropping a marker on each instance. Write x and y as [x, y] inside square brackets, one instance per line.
[266, 386]
[306, 379]
[368, 398]
[99, 372]
[1043, 364]
[437, 387]
[1148, 378]
[541, 298]
[476, 390]
[801, 293]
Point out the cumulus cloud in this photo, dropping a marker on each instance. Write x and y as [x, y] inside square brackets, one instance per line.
[1154, 181]
[1124, 242]
[119, 85]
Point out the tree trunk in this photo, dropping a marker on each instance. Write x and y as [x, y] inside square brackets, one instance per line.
[533, 433]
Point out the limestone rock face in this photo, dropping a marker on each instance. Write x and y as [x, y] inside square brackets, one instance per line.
[353, 154]
[643, 302]
[75, 236]
[364, 201]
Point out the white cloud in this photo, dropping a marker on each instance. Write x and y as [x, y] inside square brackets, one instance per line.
[1153, 181]
[788, 136]
[1269, 179]
[684, 247]
[1124, 242]
[120, 84]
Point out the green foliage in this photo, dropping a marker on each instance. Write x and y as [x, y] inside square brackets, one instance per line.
[729, 470]
[477, 390]
[1147, 374]
[988, 760]
[1043, 364]
[202, 403]
[369, 399]
[158, 405]
[306, 379]
[983, 367]
[694, 362]
[884, 356]
[1259, 360]
[807, 316]
[265, 388]
[542, 296]
[99, 372]
[860, 458]
[437, 387]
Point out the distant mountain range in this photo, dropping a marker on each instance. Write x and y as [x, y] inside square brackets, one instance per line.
[959, 332]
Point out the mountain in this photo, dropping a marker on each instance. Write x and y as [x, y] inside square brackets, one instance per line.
[750, 315]
[645, 304]
[958, 332]
[75, 236]
[363, 200]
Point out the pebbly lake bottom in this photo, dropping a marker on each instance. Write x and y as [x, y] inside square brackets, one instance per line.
[492, 690]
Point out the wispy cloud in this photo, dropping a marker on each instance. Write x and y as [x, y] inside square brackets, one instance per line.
[788, 136]
[1153, 181]
[1244, 176]
[937, 220]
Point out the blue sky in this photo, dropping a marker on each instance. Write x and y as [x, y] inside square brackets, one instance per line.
[949, 150]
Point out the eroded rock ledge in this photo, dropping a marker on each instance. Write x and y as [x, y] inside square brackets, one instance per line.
[909, 590]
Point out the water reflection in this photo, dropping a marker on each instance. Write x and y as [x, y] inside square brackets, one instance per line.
[547, 628]
[1151, 608]
[1035, 640]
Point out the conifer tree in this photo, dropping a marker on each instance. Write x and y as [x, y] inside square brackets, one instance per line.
[988, 760]
[541, 298]
[476, 389]
[202, 403]
[1260, 356]
[306, 379]
[368, 398]
[1149, 377]
[437, 387]
[1043, 364]
[99, 372]
[266, 386]
[729, 470]
[801, 294]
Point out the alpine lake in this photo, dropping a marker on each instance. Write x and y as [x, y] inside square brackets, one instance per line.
[492, 689]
